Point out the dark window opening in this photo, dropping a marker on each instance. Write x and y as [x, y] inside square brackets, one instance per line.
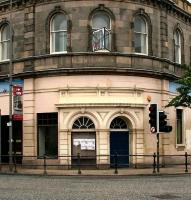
[47, 134]
[179, 126]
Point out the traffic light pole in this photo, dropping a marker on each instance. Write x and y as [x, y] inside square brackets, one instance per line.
[0, 140]
[158, 155]
[10, 92]
[158, 144]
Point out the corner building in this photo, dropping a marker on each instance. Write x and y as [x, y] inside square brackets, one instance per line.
[89, 70]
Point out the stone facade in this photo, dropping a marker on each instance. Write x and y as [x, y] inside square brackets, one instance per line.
[98, 85]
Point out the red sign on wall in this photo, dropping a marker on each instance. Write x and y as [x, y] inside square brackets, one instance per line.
[17, 90]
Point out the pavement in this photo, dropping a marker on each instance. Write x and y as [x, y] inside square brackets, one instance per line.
[175, 170]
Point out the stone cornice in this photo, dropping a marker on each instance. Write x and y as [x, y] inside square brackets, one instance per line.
[169, 5]
[82, 63]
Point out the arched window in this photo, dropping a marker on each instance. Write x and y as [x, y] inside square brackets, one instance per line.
[140, 35]
[101, 28]
[118, 123]
[5, 42]
[58, 34]
[177, 46]
[83, 123]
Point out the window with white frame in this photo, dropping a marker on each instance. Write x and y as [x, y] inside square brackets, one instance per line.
[58, 34]
[179, 126]
[5, 43]
[177, 46]
[140, 35]
[101, 36]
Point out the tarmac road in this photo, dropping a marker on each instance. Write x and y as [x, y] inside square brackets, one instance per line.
[22, 187]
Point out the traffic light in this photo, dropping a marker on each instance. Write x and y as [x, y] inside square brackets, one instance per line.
[163, 127]
[153, 117]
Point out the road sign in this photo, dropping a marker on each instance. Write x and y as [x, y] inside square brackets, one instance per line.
[153, 130]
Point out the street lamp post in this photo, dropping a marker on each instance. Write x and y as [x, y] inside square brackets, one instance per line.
[10, 91]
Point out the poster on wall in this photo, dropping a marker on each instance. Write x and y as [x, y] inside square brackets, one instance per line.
[17, 102]
[85, 144]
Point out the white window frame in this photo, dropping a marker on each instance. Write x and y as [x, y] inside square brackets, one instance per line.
[140, 33]
[2, 42]
[177, 46]
[95, 29]
[103, 45]
[52, 49]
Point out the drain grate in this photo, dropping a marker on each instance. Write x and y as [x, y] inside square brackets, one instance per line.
[166, 196]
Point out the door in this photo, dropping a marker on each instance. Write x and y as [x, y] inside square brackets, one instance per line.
[119, 144]
[16, 136]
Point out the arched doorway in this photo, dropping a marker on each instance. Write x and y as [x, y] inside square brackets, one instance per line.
[119, 142]
[84, 141]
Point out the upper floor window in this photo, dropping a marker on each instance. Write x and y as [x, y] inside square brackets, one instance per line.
[177, 47]
[58, 34]
[101, 36]
[140, 35]
[5, 43]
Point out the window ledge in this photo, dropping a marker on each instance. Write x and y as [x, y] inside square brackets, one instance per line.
[61, 52]
[4, 61]
[102, 51]
[180, 147]
[144, 54]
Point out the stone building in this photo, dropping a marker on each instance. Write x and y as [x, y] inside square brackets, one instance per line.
[89, 71]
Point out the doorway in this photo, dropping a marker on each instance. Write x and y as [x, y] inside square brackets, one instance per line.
[84, 142]
[17, 139]
[119, 142]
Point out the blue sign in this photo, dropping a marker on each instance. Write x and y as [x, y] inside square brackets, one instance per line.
[4, 85]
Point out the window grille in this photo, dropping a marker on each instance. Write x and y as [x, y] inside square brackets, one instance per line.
[83, 123]
[118, 123]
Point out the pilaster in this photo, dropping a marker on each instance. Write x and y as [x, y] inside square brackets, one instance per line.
[29, 136]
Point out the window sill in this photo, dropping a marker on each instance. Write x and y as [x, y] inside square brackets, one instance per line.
[4, 61]
[143, 54]
[102, 51]
[180, 147]
[61, 52]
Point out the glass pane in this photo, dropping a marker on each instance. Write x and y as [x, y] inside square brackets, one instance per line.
[60, 41]
[5, 50]
[140, 25]
[100, 20]
[5, 33]
[48, 141]
[179, 126]
[41, 141]
[59, 22]
[51, 141]
[98, 40]
[101, 40]
[107, 40]
[177, 38]
[140, 43]
[177, 54]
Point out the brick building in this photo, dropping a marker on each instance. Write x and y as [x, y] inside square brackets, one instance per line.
[89, 70]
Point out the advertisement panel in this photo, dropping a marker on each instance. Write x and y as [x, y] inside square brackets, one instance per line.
[17, 102]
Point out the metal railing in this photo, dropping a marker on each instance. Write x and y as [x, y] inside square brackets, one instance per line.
[114, 162]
